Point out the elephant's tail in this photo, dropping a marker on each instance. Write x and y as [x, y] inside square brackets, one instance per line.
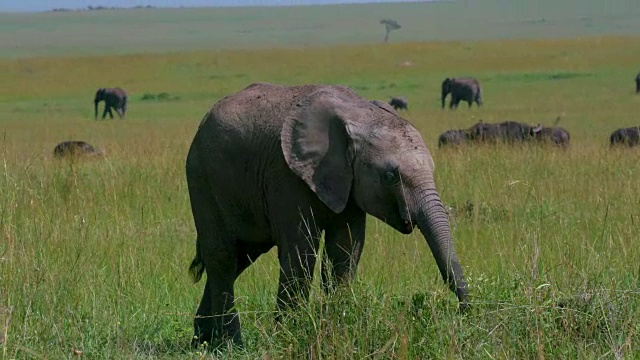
[197, 266]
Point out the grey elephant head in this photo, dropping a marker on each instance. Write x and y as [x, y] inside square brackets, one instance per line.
[96, 100]
[446, 89]
[344, 147]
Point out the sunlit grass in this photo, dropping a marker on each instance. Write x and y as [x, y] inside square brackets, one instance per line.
[94, 253]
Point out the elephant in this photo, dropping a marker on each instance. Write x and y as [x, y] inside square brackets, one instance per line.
[74, 148]
[629, 136]
[507, 131]
[113, 98]
[274, 165]
[638, 83]
[399, 103]
[452, 137]
[461, 89]
[556, 135]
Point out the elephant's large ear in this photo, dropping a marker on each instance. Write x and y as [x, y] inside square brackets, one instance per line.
[317, 146]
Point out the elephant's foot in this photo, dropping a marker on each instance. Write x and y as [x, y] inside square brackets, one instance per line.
[205, 337]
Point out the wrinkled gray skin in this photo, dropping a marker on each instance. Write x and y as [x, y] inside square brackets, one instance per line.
[275, 166]
[399, 103]
[385, 106]
[75, 148]
[115, 98]
[555, 135]
[506, 131]
[461, 89]
[638, 83]
[452, 137]
[626, 136]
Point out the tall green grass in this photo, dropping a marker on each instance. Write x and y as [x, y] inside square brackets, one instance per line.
[94, 252]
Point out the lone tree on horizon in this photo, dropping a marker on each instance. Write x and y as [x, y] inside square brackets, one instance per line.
[389, 25]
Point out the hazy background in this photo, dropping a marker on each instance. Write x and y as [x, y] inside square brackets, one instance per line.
[43, 5]
[127, 31]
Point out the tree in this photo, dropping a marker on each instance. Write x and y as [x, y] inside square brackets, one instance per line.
[389, 25]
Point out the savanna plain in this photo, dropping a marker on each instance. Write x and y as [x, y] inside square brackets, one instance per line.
[94, 252]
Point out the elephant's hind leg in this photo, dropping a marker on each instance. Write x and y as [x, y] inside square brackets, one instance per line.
[216, 319]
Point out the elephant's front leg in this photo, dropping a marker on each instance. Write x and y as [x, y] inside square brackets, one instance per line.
[454, 102]
[343, 247]
[297, 260]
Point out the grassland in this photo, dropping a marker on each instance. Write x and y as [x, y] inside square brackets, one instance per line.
[94, 253]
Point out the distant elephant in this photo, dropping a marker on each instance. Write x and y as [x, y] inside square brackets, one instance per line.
[638, 83]
[113, 98]
[276, 165]
[74, 148]
[506, 131]
[555, 135]
[626, 136]
[452, 137]
[461, 89]
[399, 103]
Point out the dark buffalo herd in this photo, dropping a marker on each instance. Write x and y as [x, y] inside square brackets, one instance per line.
[505, 132]
[516, 132]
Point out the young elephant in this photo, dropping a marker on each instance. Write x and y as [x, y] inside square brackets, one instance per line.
[277, 165]
[75, 148]
[452, 137]
[461, 89]
[626, 136]
[115, 98]
[555, 135]
[399, 103]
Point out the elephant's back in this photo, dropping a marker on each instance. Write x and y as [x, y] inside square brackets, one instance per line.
[258, 110]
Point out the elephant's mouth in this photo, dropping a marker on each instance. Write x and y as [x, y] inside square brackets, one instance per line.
[404, 226]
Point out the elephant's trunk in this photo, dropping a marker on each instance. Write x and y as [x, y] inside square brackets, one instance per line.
[444, 95]
[95, 103]
[432, 219]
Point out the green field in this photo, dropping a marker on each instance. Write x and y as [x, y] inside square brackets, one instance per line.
[94, 253]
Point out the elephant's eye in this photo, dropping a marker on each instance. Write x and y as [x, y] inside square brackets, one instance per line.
[390, 177]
